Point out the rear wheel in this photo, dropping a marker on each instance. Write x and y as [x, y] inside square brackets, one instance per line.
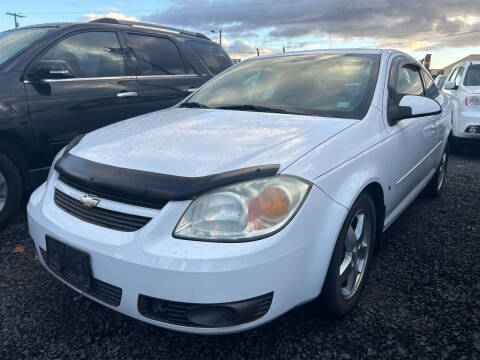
[11, 190]
[435, 186]
[350, 259]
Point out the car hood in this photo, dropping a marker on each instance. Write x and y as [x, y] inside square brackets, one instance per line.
[200, 142]
[473, 89]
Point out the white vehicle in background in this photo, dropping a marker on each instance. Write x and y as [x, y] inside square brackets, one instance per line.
[440, 80]
[266, 188]
[463, 86]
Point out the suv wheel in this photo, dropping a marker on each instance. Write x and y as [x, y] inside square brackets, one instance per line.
[11, 190]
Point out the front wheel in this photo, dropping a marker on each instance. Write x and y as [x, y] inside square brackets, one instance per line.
[435, 186]
[350, 259]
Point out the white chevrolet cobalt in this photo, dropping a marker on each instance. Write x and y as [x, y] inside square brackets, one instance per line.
[267, 188]
[463, 85]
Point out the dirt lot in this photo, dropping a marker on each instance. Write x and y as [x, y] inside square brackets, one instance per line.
[421, 300]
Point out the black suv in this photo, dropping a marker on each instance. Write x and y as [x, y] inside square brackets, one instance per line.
[61, 80]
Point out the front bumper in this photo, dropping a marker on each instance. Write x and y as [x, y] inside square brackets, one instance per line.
[290, 265]
[467, 118]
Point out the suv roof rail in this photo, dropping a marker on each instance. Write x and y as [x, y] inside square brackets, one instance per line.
[150, 26]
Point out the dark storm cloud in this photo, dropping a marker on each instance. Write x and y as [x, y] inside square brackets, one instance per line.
[384, 21]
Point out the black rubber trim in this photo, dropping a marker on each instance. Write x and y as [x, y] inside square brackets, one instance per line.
[205, 315]
[146, 188]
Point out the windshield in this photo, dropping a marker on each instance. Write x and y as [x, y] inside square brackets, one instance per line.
[473, 76]
[332, 85]
[13, 41]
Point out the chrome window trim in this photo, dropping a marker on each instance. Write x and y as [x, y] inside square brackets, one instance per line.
[179, 76]
[140, 77]
[86, 79]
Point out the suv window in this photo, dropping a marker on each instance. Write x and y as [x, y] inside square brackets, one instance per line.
[213, 56]
[431, 89]
[155, 55]
[473, 76]
[90, 54]
[409, 81]
[459, 75]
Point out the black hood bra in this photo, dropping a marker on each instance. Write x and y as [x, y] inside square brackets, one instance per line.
[145, 188]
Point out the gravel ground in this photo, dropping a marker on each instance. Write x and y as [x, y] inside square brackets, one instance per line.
[421, 300]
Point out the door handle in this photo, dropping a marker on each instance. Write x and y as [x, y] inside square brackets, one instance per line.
[191, 89]
[126, 94]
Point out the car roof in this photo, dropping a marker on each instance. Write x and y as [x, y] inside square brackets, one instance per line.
[334, 51]
[122, 24]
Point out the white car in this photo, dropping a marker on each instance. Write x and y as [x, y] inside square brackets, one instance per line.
[266, 188]
[463, 86]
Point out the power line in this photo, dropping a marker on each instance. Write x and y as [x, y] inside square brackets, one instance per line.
[15, 15]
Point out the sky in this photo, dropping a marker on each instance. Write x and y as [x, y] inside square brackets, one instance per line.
[448, 29]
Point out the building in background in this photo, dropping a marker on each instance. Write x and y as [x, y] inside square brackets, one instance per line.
[473, 57]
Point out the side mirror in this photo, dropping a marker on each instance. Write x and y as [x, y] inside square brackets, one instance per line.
[420, 105]
[449, 85]
[51, 69]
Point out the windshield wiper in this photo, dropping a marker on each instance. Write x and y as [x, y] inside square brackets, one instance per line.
[194, 105]
[249, 107]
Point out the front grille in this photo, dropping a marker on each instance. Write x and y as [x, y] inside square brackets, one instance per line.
[98, 216]
[183, 314]
[100, 290]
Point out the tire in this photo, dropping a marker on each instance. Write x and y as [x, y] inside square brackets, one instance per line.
[339, 293]
[11, 190]
[435, 186]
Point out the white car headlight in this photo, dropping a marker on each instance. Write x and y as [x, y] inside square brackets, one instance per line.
[473, 100]
[243, 211]
[55, 159]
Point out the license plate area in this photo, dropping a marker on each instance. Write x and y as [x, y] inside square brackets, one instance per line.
[69, 263]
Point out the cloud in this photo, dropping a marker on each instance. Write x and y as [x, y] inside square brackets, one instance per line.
[408, 24]
[114, 15]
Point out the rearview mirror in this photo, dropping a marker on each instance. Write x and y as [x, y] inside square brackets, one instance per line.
[449, 85]
[51, 69]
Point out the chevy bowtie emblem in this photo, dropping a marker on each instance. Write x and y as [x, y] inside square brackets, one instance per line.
[89, 201]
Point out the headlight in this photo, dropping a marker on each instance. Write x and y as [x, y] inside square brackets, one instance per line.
[243, 211]
[55, 159]
[473, 100]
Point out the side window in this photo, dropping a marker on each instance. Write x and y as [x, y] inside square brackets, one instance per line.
[90, 54]
[155, 55]
[458, 76]
[213, 56]
[409, 81]
[431, 89]
[453, 74]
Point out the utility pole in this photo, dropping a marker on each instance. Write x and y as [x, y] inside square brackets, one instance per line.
[284, 49]
[220, 35]
[258, 52]
[330, 38]
[15, 15]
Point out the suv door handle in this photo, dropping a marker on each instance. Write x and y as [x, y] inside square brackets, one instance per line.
[126, 94]
[191, 89]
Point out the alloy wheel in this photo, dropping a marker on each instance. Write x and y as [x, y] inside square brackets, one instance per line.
[3, 191]
[356, 250]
